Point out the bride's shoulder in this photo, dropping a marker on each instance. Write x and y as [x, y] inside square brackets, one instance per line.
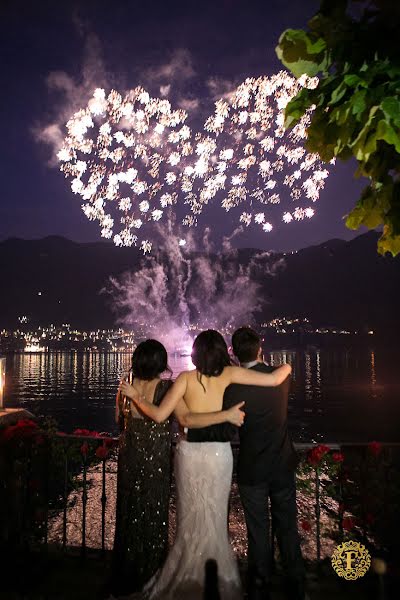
[189, 374]
[230, 373]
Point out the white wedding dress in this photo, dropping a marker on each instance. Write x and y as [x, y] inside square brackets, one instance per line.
[203, 474]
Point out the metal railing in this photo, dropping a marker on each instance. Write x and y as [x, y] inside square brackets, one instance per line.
[78, 459]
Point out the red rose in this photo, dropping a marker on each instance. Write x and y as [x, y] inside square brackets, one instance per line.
[316, 454]
[102, 452]
[305, 525]
[85, 432]
[85, 448]
[27, 423]
[375, 448]
[23, 428]
[338, 457]
[39, 440]
[348, 523]
[109, 442]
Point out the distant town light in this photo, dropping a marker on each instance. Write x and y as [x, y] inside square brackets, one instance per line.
[371, 332]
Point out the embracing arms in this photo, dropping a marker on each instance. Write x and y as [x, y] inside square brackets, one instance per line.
[251, 377]
[173, 401]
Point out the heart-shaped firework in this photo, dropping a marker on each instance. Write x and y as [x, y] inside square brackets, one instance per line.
[132, 157]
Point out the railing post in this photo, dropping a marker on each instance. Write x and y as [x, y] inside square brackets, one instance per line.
[272, 537]
[65, 499]
[341, 509]
[84, 501]
[103, 507]
[46, 490]
[318, 515]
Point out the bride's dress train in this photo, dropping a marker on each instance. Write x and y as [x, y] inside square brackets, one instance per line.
[203, 474]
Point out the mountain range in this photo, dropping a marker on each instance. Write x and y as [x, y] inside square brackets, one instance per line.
[337, 283]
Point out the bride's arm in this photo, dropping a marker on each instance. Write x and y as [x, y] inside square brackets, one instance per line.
[193, 420]
[173, 401]
[251, 377]
[167, 405]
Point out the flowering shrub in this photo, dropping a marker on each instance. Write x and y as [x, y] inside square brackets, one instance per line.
[33, 458]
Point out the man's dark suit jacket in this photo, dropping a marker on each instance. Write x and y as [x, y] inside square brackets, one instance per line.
[265, 445]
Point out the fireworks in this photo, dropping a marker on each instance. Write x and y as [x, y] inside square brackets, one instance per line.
[132, 158]
[122, 156]
[265, 165]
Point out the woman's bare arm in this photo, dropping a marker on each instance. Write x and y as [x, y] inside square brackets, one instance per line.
[168, 404]
[173, 401]
[252, 377]
[193, 420]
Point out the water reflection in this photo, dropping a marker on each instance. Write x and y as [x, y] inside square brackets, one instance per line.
[344, 395]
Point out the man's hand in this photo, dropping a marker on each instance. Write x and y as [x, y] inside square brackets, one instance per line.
[234, 415]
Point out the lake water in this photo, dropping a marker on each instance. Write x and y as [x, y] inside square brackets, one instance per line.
[337, 395]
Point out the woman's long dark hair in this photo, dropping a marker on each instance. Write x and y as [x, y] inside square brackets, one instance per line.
[210, 354]
[149, 360]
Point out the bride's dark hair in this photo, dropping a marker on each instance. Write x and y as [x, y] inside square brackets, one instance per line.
[210, 353]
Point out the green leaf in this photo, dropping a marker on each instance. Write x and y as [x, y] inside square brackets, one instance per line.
[297, 106]
[354, 80]
[338, 93]
[391, 109]
[389, 242]
[386, 132]
[358, 103]
[300, 53]
[367, 211]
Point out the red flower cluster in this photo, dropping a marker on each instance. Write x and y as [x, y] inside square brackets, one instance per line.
[348, 523]
[24, 428]
[338, 457]
[102, 451]
[86, 433]
[375, 448]
[316, 454]
[305, 525]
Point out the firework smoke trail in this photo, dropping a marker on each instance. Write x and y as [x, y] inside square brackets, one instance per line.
[180, 292]
[132, 159]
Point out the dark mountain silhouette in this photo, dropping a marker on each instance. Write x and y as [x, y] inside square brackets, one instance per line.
[339, 283]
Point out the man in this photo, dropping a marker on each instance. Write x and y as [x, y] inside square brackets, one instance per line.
[266, 469]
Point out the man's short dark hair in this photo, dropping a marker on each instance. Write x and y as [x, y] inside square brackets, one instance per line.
[245, 344]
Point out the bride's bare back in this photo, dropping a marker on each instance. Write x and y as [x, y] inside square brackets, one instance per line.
[205, 394]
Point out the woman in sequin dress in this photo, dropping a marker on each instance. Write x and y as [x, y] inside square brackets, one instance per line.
[143, 482]
[203, 473]
[144, 473]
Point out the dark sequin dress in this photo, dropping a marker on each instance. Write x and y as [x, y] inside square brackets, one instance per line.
[143, 489]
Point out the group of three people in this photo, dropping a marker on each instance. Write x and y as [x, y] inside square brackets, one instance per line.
[211, 401]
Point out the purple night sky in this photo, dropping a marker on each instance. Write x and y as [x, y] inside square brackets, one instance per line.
[55, 54]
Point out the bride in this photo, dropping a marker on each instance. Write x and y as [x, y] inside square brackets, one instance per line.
[203, 472]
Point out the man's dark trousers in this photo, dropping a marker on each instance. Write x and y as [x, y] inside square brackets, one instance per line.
[266, 469]
[281, 490]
